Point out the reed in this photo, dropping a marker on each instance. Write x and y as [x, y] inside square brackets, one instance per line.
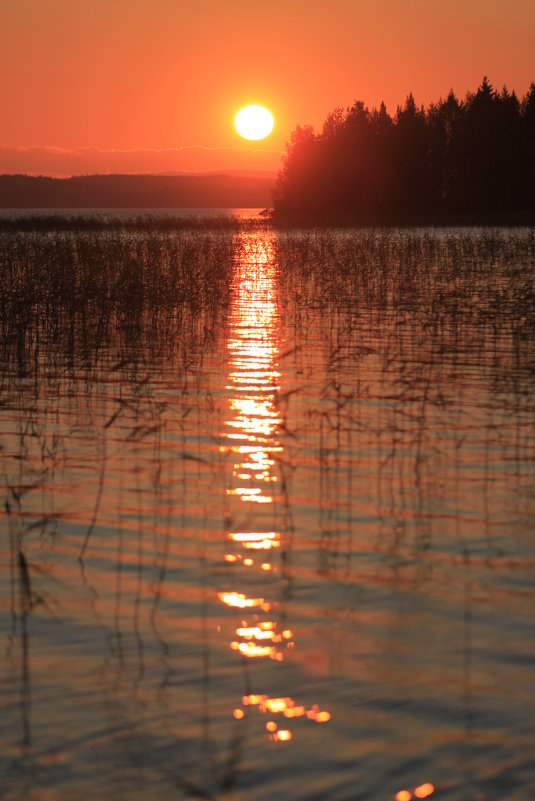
[79, 296]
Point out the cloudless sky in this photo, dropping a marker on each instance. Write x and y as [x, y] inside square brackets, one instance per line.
[164, 78]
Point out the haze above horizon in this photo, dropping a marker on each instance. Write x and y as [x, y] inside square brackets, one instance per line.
[154, 87]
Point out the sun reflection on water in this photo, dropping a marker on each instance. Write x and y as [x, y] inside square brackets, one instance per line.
[252, 443]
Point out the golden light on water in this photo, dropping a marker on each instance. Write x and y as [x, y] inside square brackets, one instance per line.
[277, 704]
[262, 632]
[257, 540]
[251, 438]
[424, 790]
[240, 600]
[284, 735]
[253, 700]
[249, 649]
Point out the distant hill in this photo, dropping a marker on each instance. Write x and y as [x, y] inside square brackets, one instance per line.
[136, 191]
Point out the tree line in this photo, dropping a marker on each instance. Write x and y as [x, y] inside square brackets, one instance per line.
[471, 159]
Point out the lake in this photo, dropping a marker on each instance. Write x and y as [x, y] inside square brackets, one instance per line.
[268, 513]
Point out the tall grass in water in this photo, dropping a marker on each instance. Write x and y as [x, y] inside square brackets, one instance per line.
[87, 319]
[129, 221]
[71, 295]
[100, 308]
[469, 292]
[104, 307]
[424, 344]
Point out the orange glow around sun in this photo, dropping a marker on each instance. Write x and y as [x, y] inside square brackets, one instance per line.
[66, 112]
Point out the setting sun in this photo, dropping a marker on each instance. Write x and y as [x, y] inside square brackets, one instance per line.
[254, 122]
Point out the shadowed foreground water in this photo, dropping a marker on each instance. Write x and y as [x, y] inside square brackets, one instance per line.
[268, 515]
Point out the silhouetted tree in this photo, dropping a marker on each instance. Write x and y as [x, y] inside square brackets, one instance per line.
[471, 157]
[411, 156]
[382, 190]
[443, 131]
[528, 145]
[297, 175]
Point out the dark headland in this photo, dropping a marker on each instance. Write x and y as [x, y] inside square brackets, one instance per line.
[468, 161]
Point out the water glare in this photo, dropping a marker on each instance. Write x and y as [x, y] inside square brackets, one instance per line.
[254, 387]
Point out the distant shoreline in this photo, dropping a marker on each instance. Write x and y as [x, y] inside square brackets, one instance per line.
[89, 192]
[102, 220]
[87, 219]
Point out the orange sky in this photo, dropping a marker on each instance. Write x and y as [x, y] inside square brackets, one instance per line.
[153, 85]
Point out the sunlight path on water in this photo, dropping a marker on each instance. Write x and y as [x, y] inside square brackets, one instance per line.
[258, 550]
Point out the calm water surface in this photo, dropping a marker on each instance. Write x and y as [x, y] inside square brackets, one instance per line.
[269, 533]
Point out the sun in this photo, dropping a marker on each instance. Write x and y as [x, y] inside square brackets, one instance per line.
[254, 122]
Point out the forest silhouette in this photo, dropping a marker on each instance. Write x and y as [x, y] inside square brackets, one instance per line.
[470, 160]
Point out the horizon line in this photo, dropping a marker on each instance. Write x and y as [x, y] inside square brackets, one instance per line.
[231, 172]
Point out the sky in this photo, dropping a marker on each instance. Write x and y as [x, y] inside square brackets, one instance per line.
[153, 85]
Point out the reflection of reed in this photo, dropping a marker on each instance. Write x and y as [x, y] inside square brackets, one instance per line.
[21, 611]
[26, 599]
[26, 604]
